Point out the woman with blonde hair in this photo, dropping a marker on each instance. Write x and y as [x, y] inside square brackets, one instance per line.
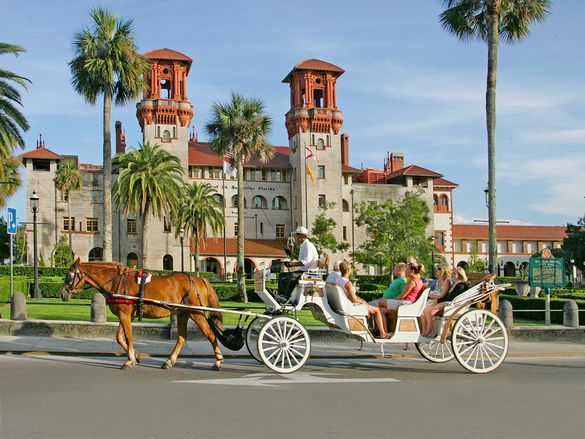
[441, 289]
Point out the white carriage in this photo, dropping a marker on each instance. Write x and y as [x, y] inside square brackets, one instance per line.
[476, 337]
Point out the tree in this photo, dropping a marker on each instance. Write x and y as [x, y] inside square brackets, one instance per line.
[574, 243]
[240, 127]
[68, 179]
[107, 63]
[12, 121]
[150, 182]
[62, 255]
[322, 232]
[21, 244]
[490, 21]
[396, 230]
[475, 263]
[4, 241]
[10, 176]
[198, 209]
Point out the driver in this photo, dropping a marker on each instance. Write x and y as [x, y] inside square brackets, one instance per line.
[308, 260]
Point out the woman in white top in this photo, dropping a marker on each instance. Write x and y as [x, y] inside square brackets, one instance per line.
[349, 290]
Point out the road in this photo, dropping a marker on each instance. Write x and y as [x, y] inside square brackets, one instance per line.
[52, 396]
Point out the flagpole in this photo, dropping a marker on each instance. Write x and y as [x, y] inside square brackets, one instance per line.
[224, 222]
[306, 196]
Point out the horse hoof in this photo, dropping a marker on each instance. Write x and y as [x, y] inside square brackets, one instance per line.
[216, 366]
[127, 366]
[138, 357]
[166, 365]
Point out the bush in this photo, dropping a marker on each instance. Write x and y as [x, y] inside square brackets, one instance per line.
[382, 279]
[519, 303]
[24, 270]
[20, 284]
[371, 287]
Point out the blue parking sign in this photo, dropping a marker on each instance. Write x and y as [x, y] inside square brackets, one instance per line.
[11, 226]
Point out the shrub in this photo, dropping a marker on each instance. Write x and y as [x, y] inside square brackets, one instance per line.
[371, 287]
[382, 279]
[519, 303]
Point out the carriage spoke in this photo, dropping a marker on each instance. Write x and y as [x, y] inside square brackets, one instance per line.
[484, 333]
[300, 354]
[486, 348]
[495, 345]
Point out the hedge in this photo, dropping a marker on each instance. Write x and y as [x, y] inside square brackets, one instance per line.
[519, 303]
[382, 279]
[20, 284]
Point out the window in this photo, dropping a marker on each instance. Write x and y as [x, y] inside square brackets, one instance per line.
[236, 229]
[262, 228]
[258, 202]
[97, 197]
[218, 199]
[215, 173]
[166, 136]
[440, 240]
[279, 203]
[131, 226]
[166, 225]
[167, 262]
[320, 144]
[235, 201]
[345, 205]
[444, 203]
[91, 224]
[280, 230]
[321, 171]
[62, 196]
[276, 176]
[96, 254]
[132, 260]
[295, 174]
[41, 165]
[195, 172]
[346, 179]
[345, 233]
[69, 223]
[322, 201]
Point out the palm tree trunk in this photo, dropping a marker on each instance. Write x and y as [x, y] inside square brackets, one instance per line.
[240, 257]
[490, 106]
[107, 253]
[144, 240]
[196, 245]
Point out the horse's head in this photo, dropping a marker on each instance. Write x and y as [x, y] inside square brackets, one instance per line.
[74, 281]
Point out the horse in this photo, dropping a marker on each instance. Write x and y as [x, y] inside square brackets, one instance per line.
[183, 288]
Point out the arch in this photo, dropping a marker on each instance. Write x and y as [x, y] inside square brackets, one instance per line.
[132, 260]
[218, 198]
[463, 265]
[213, 265]
[166, 137]
[435, 200]
[279, 203]
[444, 207]
[96, 254]
[258, 202]
[345, 205]
[509, 269]
[168, 262]
[234, 202]
[320, 144]
[249, 268]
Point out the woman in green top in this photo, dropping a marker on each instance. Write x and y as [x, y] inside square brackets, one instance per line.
[395, 287]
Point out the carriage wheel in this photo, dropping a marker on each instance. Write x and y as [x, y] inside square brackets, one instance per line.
[252, 333]
[284, 345]
[435, 351]
[480, 341]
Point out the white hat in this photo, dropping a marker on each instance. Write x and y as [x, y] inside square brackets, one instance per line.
[302, 231]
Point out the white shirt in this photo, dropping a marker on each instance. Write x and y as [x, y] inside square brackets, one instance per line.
[308, 256]
[342, 282]
[332, 278]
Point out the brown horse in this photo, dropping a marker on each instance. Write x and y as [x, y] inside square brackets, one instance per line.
[110, 277]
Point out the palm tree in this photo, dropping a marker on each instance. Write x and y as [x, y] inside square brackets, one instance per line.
[240, 127]
[12, 121]
[490, 21]
[198, 209]
[107, 62]
[68, 179]
[150, 182]
[10, 177]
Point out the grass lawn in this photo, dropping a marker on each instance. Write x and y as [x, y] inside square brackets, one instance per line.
[79, 310]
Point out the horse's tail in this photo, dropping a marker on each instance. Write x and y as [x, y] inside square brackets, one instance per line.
[215, 316]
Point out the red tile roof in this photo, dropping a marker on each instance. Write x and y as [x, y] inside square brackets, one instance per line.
[200, 153]
[480, 231]
[90, 168]
[415, 171]
[165, 53]
[41, 153]
[252, 247]
[315, 64]
[441, 182]
[347, 168]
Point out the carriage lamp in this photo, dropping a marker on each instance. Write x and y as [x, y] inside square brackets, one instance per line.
[34, 207]
[182, 235]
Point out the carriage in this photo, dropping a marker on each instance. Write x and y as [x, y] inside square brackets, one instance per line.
[467, 331]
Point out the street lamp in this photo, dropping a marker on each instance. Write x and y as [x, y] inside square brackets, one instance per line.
[487, 197]
[182, 235]
[34, 207]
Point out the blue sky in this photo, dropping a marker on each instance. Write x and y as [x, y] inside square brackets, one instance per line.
[409, 87]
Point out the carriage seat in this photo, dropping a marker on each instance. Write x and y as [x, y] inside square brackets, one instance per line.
[415, 309]
[340, 304]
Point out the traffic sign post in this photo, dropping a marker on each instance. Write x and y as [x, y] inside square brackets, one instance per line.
[11, 226]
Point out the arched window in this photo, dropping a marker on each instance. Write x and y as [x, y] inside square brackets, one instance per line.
[279, 203]
[167, 262]
[444, 202]
[166, 136]
[435, 200]
[258, 202]
[132, 260]
[234, 202]
[320, 144]
[96, 254]
[345, 205]
[219, 199]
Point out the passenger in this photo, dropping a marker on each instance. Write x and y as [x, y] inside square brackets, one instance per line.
[461, 285]
[395, 288]
[411, 291]
[334, 275]
[441, 290]
[349, 290]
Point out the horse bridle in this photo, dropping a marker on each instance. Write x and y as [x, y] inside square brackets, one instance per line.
[70, 284]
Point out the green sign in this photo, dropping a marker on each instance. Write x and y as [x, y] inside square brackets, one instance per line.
[547, 272]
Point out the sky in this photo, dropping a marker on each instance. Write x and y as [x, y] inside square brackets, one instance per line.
[409, 86]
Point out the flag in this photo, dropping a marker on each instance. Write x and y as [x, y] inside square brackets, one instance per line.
[309, 154]
[228, 170]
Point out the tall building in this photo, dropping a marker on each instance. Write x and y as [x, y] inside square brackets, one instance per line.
[288, 191]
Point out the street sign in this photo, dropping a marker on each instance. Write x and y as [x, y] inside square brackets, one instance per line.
[547, 272]
[11, 226]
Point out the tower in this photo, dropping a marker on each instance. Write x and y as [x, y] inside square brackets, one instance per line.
[165, 113]
[314, 129]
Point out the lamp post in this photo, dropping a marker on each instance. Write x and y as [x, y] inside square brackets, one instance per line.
[573, 273]
[182, 235]
[34, 207]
